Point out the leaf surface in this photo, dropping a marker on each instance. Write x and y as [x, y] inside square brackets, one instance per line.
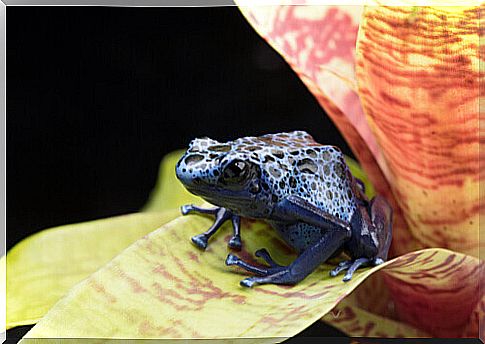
[43, 267]
[418, 71]
[357, 322]
[163, 287]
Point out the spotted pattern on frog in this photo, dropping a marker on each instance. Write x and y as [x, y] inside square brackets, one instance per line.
[291, 164]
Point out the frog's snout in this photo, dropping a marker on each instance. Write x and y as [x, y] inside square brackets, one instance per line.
[187, 170]
[182, 172]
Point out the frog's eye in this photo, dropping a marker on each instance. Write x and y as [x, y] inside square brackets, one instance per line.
[235, 171]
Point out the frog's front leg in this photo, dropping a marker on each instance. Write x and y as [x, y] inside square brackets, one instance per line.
[221, 216]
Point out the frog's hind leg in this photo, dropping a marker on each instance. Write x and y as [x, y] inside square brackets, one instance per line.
[222, 215]
[352, 265]
[381, 220]
[262, 253]
[381, 217]
[306, 262]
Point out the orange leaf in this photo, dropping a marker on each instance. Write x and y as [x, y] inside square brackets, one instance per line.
[434, 290]
[418, 73]
[438, 295]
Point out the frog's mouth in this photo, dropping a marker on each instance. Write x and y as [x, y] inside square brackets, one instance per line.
[221, 196]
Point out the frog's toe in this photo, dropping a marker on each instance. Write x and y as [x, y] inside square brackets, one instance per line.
[247, 282]
[264, 254]
[234, 260]
[276, 276]
[355, 265]
[341, 267]
[235, 243]
[352, 265]
[231, 259]
[200, 241]
[377, 261]
[185, 209]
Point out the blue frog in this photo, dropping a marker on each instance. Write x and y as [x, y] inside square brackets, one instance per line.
[301, 188]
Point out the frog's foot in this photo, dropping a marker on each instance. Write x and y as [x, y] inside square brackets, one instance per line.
[275, 273]
[262, 271]
[221, 215]
[235, 242]
[352, 265]
[283, 276]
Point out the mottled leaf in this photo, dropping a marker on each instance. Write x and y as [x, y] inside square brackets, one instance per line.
[439, 296]
[357, 322]
[43, 267]
[169, 192]
[418, 73]
[163, 287]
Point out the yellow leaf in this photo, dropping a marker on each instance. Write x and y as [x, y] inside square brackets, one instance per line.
[43, 267]
[163, 287]
[169, 192]
[357, 322]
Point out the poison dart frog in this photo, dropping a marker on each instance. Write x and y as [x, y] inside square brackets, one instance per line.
[303, 189]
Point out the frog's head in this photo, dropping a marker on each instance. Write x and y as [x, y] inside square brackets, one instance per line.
[219, 173]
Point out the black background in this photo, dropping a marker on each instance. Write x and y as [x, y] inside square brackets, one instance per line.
[96, 96]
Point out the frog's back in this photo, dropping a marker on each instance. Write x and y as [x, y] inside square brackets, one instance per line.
[294, 164]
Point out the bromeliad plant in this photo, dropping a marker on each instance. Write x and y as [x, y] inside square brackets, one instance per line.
[402, 85]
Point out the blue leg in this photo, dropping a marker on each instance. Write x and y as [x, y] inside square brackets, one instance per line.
[233, 260]
[235, 241]
[222, 215]
[308, 261]
[264, 254]
[352, 265]
[294, 208]
[381, 217]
